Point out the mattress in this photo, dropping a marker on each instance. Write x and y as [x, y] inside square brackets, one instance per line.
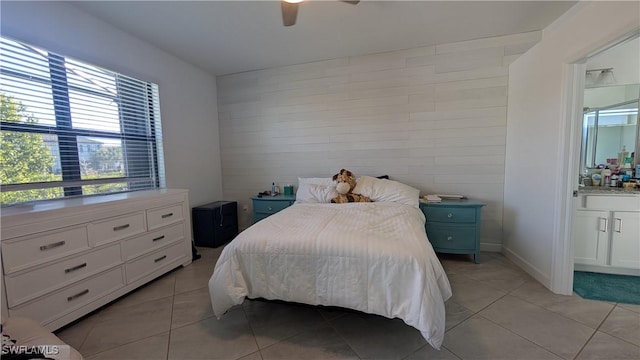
[372, 257]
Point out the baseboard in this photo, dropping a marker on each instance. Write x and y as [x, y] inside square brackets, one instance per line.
[607, 269]
[527, 267]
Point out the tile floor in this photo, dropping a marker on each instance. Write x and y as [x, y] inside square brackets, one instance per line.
[497, 312]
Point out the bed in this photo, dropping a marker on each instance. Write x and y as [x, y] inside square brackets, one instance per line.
[371, 257]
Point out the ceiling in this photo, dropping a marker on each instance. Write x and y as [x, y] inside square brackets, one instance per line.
[224, 37]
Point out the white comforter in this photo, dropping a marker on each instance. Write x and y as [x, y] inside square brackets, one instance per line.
[371, 257]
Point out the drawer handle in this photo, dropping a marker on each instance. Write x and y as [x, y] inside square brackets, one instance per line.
[77, 267]
[618, 225]
[603, 225]
[73, 297]
[450, 215]
[449, 238]
[160, 258]
[121, 227]
[167, 215]
[158, 238]
[269, 208]
[51, 246]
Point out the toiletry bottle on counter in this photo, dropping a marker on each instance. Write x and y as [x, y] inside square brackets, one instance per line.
[614, 181]
[606, 177]
[273, 188]
[622, 156]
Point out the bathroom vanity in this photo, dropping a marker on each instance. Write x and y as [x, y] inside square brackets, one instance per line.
[607, 230]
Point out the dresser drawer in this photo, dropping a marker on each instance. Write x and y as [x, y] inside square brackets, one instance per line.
[454, 237]
[154, 240]
[157, 218]
[50, 307]
[29, 285]
[24, 252]
[270, 206]
[116, 228]
[450, 214]
[150, 263]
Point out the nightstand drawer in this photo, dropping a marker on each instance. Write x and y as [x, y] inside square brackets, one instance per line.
[264, 206]
[270, 206]
[453, 226]
[456, 237]
[450, 214]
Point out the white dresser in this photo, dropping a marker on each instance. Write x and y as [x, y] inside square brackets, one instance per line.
[62, 259]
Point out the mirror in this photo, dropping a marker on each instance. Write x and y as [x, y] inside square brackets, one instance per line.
[610, 126]
[611, 102]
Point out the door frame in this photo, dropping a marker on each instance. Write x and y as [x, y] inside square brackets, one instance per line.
[561, 279]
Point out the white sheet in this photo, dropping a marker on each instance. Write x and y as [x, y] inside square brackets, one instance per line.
[371, 257]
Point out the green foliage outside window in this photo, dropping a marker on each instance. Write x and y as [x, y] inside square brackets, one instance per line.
[24, 157]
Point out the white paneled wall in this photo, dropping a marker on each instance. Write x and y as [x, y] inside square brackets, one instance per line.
[431, 117]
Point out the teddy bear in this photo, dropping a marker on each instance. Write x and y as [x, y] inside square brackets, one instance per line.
[346, 183]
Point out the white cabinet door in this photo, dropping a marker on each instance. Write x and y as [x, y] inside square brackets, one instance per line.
[625, 242]
[591, 235]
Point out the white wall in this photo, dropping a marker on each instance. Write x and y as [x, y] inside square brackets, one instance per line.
[625, 61]
[431, 117]
[189, 116]
[536, 128]
[610, 95]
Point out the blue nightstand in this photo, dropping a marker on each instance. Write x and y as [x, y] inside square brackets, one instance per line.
[453, 226]
[268, 205]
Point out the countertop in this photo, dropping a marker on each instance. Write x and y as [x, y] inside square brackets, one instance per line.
[605, 190]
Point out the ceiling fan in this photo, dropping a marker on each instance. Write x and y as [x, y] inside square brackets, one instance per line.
[290, 10]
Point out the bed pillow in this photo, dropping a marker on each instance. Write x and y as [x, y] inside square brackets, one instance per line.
[315, 193]
[316, 181]
[387, 190]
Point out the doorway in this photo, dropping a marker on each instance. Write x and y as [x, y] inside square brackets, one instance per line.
[577, 80]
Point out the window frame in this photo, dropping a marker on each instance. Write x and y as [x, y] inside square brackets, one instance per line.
[68, 136]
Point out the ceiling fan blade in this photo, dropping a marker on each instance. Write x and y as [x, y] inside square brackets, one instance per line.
[289, 12]
[352, 2]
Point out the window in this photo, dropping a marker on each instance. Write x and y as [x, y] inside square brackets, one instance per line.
[69, 128]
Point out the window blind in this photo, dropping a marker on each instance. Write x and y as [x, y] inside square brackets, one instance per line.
[70, 128]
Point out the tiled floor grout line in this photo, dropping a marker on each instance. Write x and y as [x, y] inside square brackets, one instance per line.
[605, 319]
[474, 313]
[581, 323]
[551, 311]
[458, 324]
[173, 303]
[522, 337]
[478, 313]
[568, 318]
[127, 343]
[131, 342]
[302, 332]
[532, 342]
[255, 339]
[341, 336]
[86, 336]
[595, 331]
[451, 351]
[192, 322]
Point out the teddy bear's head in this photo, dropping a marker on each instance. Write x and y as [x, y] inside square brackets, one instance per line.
[346, 181]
